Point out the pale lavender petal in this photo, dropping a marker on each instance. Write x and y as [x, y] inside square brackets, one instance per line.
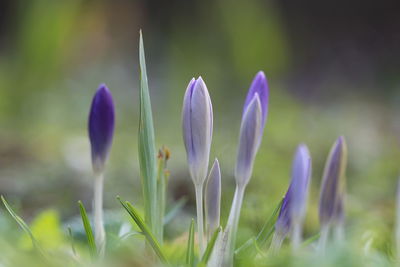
[249, 140]
[186, 123]
[101, 126]
[259, 86]
[333, 185]
[213, 198]
[301, 174]
[197, 128]
[294, 202]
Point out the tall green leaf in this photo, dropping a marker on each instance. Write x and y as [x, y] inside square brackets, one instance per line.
[250, 247]
[190, 245]
[147, 151]
[24, 227]
[145, 230]
[210, 246]
[88, 230]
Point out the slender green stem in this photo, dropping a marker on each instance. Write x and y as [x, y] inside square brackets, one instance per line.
[232, 224]
[99, 234]
[200, 220]
[323, 239]
[296, 236]
[276, 243]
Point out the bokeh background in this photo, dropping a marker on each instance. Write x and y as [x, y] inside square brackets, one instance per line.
[333, 69]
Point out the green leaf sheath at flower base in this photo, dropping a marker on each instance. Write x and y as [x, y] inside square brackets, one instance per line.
[145, 230]
[24, 227]
[88, 230]
[210, 245]
[248, 248]
[162, 180]
[190, 245]
[146, 146]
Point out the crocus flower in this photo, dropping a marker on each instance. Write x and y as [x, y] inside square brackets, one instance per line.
[294, 203]
[101, 127]
[333, 185]
[101, 130]
[197, 121]
[259, 86]
[249, 140]
[254, 116]
[213, 198]
[251, 129]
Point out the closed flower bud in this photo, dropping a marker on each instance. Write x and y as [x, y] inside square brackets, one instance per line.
[197, 122]
[294, 204]
[249, 140]
[331, 205]
[101, 127]
[259, 86]
[213, 199]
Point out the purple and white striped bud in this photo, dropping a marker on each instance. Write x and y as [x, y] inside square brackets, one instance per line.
[331, 204]
[253, 121]
[259, 86]
[213, 199]
[294, 204]
[249, 140]
[197, 122]
[101, 127]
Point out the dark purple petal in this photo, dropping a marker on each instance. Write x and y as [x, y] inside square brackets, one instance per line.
[249, 140]
[259, 86]
[284, 222]
[333, 184]
[101, 126]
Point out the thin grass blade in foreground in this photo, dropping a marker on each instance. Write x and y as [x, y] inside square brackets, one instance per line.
[88, 230]
[147, 151]
[210, 246]
[250, 246]
[190, 245]
[145, 230]
[24, 227]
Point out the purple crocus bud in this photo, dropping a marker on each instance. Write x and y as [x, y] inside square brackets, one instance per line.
[213, 199]
[249, 140]
[333, 185]
[294, 203]
[197, 122]
[101, 127]
[259, 86]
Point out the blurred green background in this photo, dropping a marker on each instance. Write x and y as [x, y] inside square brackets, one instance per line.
[332, 69]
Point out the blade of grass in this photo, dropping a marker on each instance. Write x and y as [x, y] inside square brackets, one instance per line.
[310, 240]
[145, 229]
[210, 246]
[174, 210]
[190, 245]
[24, 227]
[71, 237]
[88, 230]
[146, 147]
[248, 248]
